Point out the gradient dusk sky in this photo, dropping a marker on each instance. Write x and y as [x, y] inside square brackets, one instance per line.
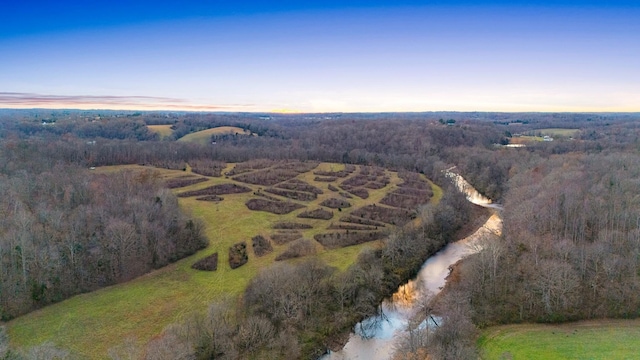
[321, 56]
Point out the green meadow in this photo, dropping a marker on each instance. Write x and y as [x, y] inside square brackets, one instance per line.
[162, 130]
[204, 137]
[595, 339]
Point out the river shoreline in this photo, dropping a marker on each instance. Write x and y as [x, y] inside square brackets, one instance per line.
[401, 309]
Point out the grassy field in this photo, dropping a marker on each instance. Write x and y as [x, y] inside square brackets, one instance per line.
[90, 324]
[162, 130]
[204, 136]
[595, 339]
[558, 132]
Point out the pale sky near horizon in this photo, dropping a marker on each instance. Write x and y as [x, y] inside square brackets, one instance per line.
[323, 57]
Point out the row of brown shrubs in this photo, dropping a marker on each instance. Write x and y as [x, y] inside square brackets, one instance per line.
[261, 245]
[348, 169]
[292, 194]
[360, 220]
[213, 198]
[335, 203]
[405, 201]
[275, 207]
[393, 216]
[341, 226]
[291, 225]
[238, 255]
[210, 263]
[283, 237]
[267, 177]
[249, 166]
[343, 239]
[221, 189]
[183, 181]
[299, 185]
[207, 167]
[325, 178]
[319, 213]
[298, 248]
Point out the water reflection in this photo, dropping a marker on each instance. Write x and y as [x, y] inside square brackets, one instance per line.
[375, 337]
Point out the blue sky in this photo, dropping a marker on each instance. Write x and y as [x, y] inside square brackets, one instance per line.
[325, 56]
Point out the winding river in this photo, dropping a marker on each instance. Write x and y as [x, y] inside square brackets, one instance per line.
[374, 338]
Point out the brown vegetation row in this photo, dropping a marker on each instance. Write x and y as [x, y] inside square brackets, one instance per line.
[209, 263]
[267, 177]
[337, 174]
[207, 167]
[238, 255]
[343, 239]
[335, 203]
[291, 225]
[340, 226]
[221, 189]
[298, 248]
[284, 237]
[325, 178]
[183, 181]
[292, 194]
[213, 198]
[361, 220]
[387, 215]
[275, 207]
[299, 185]
[319, 213]
[261, 245]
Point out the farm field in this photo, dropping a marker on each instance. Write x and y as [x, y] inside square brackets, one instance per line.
[594, 339]
[141, 308]
[558, 132]
[203, 137]
[162, 130]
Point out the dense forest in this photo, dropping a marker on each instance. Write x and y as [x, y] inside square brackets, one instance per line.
[570, 247]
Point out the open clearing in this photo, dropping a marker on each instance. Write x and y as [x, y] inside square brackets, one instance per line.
[204, 136]
[90, 324]
[558, 132]
[162, 130]
[593, 339]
